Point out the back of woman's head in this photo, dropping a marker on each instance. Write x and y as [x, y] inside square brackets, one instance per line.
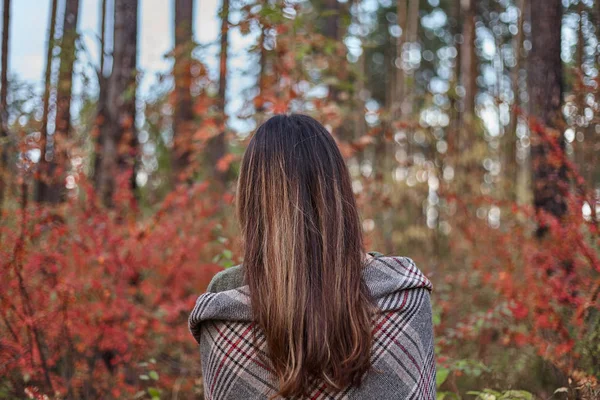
[304, 255]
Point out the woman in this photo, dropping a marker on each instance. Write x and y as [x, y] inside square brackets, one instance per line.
[309, 314]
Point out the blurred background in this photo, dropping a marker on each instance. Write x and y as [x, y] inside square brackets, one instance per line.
[472, 133]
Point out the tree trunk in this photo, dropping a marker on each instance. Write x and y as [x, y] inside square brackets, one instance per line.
[262, 73]
[331, 29]
[182, 70]
[216, 146]
[67, 59]
[4, 102]
[546, 88]
[42, 187]
[401, 10]
[100, 112]
[594, 145]
[412, 36]
[511, 165]
[102, 36]
[465, 165]
[412, 24]
[5, 36]
[454, 128]
[118, 137]
[581, 91]
[63, 101]
[468, 67]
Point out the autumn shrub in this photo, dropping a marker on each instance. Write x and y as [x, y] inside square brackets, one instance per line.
[90, 295]
[518, 291]
[95, 300]
[515, 289]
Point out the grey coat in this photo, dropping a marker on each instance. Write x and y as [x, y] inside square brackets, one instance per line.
[403, 362]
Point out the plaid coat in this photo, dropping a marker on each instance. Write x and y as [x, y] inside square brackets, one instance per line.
[403, 364]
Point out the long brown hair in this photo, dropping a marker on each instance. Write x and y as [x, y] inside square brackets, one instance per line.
[303, 255]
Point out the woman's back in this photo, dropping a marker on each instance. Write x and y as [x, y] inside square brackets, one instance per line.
[315, 316]
[402, 357]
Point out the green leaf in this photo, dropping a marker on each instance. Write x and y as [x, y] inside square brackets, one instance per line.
[494, 392]
[441, 375]
[483, 395]
[154, 375]
[489, 394]
[516, 395]
[437, 318]
[447, 396]
[154, 392]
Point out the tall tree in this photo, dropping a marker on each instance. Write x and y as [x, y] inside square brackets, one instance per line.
[511, 133]
[331, 30]
[65, 74]
[580, 88]
[468, 61]
[42, 187]
[262, 72]
[4, 100]
[117, 133]
[331, 27]
[216, 146]
[467, 77]
[103, 89]
[546, 90]
[412, 36]
[102, 39]
[454, 26]
[182, 71]
[594, 148]
[398, 97]
[60, 159]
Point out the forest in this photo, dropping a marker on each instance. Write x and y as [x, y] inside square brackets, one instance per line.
[471, 129]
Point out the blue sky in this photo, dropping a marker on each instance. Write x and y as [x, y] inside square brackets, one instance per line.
[29, 31]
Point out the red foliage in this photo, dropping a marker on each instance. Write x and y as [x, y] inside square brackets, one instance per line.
[88, 295]
[549, 285]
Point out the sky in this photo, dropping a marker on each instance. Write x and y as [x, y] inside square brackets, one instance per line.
[29, 32]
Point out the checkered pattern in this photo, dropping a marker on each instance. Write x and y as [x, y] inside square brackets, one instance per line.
[235, 366]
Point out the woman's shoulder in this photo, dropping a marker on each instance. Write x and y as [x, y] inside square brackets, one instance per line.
[387, 275]
[229, 278]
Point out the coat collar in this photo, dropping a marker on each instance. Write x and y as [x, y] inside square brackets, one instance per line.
[385, 277]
